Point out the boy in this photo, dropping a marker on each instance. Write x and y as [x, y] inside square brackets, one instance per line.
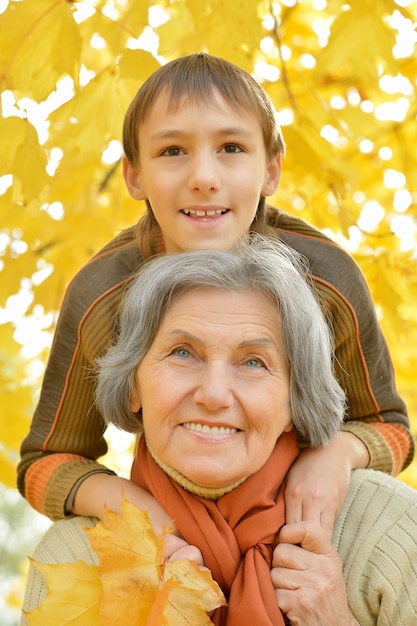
[203, 150]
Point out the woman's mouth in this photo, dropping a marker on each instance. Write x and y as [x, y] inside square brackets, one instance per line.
[212, 430]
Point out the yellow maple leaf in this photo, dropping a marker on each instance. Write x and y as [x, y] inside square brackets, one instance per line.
[132, 585]
[73, 596]
[130, 565]
[185, 596]
[193, 596]
[157, 615]
[137, 587]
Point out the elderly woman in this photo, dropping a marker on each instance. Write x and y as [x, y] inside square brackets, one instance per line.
[222, 357]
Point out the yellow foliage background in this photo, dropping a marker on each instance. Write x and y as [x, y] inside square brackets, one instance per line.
[342, 75]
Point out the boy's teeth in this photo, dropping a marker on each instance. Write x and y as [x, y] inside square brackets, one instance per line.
[213, 430]
[201, 213]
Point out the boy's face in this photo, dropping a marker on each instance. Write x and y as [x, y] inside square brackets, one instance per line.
[203, 169]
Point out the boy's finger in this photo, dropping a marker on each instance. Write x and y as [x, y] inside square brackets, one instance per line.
[308, 534]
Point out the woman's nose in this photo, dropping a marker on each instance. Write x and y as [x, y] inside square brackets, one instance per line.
[214, 390]
[204, 174]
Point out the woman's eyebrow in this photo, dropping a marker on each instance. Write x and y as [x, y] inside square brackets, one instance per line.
[183, 335]
[257, 341]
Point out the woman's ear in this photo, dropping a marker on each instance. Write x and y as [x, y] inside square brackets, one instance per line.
[135, 401]
[273, 175]
[131, 176]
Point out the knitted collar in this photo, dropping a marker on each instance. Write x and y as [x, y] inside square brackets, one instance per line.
[209, 493]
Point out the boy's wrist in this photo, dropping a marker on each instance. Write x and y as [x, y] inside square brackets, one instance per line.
[357, 451]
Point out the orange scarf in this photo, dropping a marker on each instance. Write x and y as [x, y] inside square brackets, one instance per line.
[236, 534]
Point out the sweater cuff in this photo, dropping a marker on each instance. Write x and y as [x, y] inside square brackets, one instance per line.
[380, 455]
[63, 482]
[69, 502]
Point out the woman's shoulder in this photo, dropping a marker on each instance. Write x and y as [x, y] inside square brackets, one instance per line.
[376, 502]
[377, 509]
[375, 536]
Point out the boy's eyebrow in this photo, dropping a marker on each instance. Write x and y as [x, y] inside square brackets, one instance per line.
[179, 132]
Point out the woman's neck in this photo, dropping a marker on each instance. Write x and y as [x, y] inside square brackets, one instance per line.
[209, 493]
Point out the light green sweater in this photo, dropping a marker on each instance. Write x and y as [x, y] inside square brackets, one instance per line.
[375, 535]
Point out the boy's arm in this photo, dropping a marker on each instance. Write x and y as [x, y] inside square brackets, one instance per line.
[67, 432]
[100, 490]
[318, 482]
[66, 436]
[376, 431]
[376, 414]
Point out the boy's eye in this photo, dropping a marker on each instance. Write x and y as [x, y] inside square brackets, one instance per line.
[172, 151]
[231, 148]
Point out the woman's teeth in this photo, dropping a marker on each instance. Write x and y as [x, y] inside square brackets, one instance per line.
[213, 430]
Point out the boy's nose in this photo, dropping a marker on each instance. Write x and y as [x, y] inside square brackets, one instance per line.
[214, 390]
[204, 175]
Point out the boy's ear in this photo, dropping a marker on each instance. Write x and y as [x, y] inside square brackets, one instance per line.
[131, 176]
[273, 174]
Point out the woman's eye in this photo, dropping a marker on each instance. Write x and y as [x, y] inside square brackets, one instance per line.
[231, 148]
[183, 352]
[254, 363]
[172, 151]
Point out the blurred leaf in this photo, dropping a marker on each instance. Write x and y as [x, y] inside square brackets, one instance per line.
[20, 146]
[7, 470]
[350, 37]
[31, 32]
[137, 65]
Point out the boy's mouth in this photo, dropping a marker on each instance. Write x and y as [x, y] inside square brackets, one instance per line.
[204, 212]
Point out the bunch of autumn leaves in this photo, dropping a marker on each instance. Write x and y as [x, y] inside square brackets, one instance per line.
[132, 585]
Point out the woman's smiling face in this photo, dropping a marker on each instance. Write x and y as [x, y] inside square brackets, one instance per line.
[214, 385]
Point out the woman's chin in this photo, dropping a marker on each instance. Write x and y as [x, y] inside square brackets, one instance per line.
[213, 480]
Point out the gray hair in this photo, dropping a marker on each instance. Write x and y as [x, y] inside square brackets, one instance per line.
[260, 264]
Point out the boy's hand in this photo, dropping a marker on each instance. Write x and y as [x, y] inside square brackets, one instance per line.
[307, 577]
[176, 549]
[318, 482]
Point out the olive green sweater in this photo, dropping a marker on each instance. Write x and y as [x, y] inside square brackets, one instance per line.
[66, 435]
